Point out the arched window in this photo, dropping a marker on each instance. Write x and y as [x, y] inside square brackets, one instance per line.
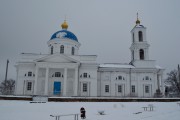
[133, 37]
[52, 50]
[29, 74]
[72, 52]
[141, 54]
[57, 74]
[62, 49]
[140, 36]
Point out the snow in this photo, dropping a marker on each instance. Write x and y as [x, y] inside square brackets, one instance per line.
[24, 110]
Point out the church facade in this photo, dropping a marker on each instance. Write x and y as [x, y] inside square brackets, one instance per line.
[64, 73]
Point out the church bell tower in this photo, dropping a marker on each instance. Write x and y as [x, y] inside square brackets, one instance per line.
[139, 47]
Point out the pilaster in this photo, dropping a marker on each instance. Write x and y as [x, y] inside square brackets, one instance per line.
[46, 81]
[65, 82]
[35, 82]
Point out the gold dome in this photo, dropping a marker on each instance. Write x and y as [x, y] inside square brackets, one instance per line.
[64, 25]
[137, 21]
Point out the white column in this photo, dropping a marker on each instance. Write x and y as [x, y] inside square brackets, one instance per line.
[76, 82]
[35, 82]
[65, 81]
[46, 82]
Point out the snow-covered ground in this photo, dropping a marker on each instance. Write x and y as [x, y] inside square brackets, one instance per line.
[24, 110]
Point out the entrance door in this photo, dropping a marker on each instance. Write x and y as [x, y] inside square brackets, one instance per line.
[57, 88]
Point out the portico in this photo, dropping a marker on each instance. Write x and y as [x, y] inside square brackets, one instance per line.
[66, 75]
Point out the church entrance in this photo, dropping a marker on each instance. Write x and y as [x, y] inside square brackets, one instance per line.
[57, 88]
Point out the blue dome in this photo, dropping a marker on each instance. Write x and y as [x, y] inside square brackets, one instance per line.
[64, 34]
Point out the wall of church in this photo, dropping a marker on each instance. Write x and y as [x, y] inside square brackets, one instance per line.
[88, 77]
[25, 74]
[127, 83]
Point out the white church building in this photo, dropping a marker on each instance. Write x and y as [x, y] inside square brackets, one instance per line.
[62, 72]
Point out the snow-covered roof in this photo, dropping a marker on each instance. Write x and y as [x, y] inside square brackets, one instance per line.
[115, 65]
[158, 67]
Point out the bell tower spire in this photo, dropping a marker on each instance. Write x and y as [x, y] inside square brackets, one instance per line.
[138, 21]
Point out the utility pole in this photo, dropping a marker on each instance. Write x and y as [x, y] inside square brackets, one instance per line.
[6, 74]
[178, 80]
[178, 74]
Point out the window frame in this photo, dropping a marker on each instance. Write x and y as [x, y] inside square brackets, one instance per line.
[52, 49]
[84, 87]
[62, 49]
[147, 90]
[133, 89]
[119, 88]
[57, 74]
[29, 74]
[106, 88]
[140, 35]
[85, 75]
[29, 86]
[72, 51]
[141, 54]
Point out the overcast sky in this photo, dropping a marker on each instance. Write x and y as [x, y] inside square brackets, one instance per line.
[101, 26]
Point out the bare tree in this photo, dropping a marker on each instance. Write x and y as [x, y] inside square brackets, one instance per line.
[7, 87]
[173, 81]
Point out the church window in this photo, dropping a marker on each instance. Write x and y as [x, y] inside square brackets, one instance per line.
[119, 88]
[84, 87]
[62, 49]
[120, 77]
[146, 89]
[85, 75]
[25, 75]
[89, 76]
[133, 38]
[29, 85]
[51, 49]
[72, 52]
[133, 88]
[141, 53]
[140, 36]
[106, 88]
[147, 78]
[57, 74]
[29, 74]
[80, 76]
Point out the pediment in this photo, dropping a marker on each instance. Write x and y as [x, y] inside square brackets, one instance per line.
[57, 58]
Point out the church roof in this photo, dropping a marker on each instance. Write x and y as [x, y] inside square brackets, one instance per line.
[115, 65]
[64, 34]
